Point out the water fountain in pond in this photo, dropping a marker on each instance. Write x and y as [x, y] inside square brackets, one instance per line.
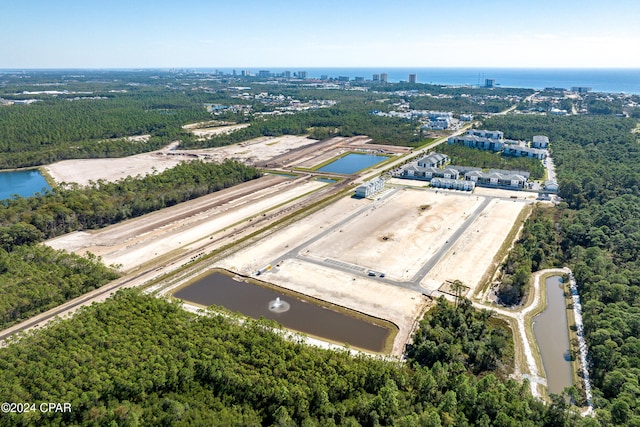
[279, 306]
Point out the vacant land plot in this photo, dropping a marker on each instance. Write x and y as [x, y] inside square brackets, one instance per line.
[259, 149]
[399, 234]
[203, 131]
[134, 242]
[272, 248]
[82, 171]
[473, 253]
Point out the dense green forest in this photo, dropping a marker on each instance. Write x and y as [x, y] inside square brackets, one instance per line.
[458, 332]
[58, 128]
[598, 224]
[139, 360]
[72, 207]
[465, 156]
[34, 278]
[90, 115]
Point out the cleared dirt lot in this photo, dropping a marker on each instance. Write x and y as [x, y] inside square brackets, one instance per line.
[271, 248]
[83, 171]
[400, 234]
[201, 130]
[134, 242]
[474, 251]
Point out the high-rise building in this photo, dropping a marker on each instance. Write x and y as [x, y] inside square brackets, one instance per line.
[489, 83]
[383, 77]
[376, 77]
[412, 78]
[264, 73]
[302, 74]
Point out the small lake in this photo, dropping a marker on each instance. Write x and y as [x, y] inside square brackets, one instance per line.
[551, 330]
[25, 183]
[302, 315]
[352, 163]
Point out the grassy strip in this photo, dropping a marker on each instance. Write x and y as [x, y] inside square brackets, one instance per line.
[502, 253]
[206, 260]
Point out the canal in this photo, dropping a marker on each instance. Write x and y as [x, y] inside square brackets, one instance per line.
[551, 331]
[292, 312]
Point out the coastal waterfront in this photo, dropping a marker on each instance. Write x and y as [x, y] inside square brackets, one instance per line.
[612, 80]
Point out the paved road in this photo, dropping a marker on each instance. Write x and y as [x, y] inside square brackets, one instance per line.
[295, 252]
[426, 268]
[154, 270]
[414, 283]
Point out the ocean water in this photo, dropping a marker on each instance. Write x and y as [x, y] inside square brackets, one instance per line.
[612, 80]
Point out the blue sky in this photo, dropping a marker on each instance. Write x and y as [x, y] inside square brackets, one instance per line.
[329, 33]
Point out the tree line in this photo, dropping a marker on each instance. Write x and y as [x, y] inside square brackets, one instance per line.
[465, 156]
[57, 128]
[597, 226]
[138, 359]
[71, 207]
[34, 278]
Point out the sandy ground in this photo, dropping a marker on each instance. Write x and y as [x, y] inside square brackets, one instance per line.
[258, 149]
[398, 236]
[274, 246]
[415, 223]
[200, 129]
[474, 251]
[83, 171]
[512, 194]
[134, 242]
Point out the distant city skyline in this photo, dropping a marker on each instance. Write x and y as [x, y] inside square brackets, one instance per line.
[283, 33]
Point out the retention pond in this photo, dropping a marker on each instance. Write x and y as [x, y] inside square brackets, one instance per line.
[24, 183]
[352, 163]
[551, 330]
[292, 312]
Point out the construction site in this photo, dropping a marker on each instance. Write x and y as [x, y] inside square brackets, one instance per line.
[383, 256]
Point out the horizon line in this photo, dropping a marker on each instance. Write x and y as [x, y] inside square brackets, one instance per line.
[302, 68]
